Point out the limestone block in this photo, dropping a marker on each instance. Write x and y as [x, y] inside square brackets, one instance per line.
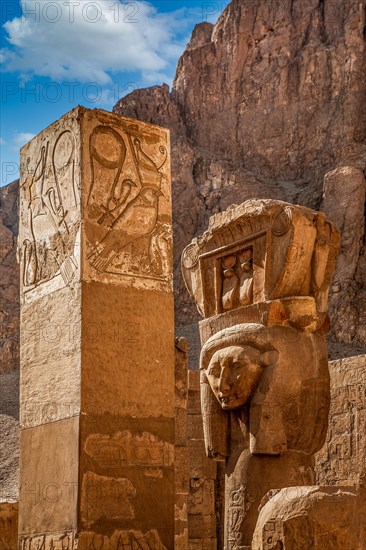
[200, 466]
[201, 526]
[182, 471]
[8, 525]
[181, 424]
[193, 380]
[194, 426]
[194, 401]
[201, 497]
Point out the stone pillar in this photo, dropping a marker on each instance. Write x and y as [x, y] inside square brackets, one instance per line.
[97, 336]
[260, 277]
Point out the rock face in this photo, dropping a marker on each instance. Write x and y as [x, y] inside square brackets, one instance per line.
[9, 280]
[9, 347]
[265, 104]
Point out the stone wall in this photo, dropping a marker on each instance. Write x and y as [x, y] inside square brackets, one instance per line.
[343, 457]
[202, 523]
[195, 476]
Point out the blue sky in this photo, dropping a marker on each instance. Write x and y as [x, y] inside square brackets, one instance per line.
[56, 54]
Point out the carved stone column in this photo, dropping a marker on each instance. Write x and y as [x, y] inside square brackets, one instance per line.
[97, 336]
[260, 277]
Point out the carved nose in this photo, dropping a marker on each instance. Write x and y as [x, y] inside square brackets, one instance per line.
[224, 384]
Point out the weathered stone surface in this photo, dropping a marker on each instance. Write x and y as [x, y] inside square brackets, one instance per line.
[97, 358]
[309, 517]
[265, 104]
[202, 517]
[181, 460]
[8, 525]
[344, 204]
[9, 280]
[343, 457]
[9, 344]
[48, 495]
[9, 434]
[260, 277]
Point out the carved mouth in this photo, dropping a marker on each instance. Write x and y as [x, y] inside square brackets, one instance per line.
[224, 398]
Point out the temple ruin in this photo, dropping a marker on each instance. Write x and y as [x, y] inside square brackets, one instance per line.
[124, 444]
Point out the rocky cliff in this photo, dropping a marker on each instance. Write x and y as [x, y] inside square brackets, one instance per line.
[9, 280]
[9, 344]
[271, 102]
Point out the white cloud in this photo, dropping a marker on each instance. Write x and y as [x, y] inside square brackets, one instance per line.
[88, 41]
[2, 141]
[21, 139]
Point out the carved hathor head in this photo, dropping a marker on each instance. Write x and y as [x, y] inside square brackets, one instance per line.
[260, 277]
[233, 369]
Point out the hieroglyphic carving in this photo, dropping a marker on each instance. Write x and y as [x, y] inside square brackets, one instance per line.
[121, 540]
[133, 237]
[47, 541]
[342, 457]
[48, 235]
[124, 448]
[63, 164]
[239, 504]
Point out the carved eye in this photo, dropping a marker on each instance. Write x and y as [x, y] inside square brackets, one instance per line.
[214, 370]
[237, 367]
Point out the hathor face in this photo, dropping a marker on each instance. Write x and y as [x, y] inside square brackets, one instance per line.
[233, 374]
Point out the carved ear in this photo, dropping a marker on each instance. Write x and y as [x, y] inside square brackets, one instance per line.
[269, 358]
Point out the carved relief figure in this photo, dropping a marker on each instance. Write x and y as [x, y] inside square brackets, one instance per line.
[237, 286]
[48, 250]
[230, 284]
[135, 237]
[246, 278]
